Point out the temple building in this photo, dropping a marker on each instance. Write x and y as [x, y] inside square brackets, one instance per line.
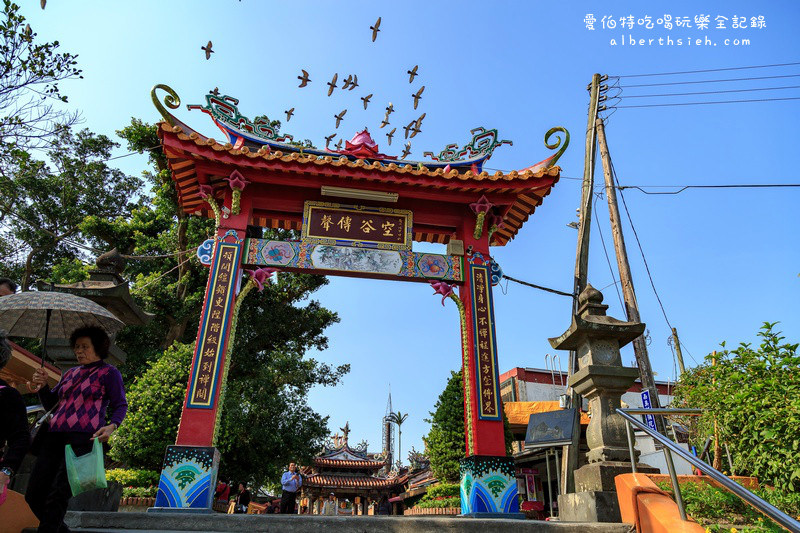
[357, 479]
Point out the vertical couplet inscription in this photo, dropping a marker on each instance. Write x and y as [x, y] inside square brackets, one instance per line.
[212, 336]
[485, 345]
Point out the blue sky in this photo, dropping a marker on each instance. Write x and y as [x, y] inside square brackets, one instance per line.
[723, 261]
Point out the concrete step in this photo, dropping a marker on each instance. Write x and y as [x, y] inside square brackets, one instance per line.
[212, 523]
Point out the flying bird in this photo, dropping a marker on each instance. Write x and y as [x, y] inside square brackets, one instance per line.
[385, 121]
[365, 99]
[332, 84]
[347, 82]
[390, 135]
[328, 140]
[408, 127]
[340, 117]
[412, 74]
[208, 50]
[406, 151]
[289, 114]
[44, 3]
[375, 29]
[389, 109]
[27, 32]
[215, 92]
[339, 145]
[354, 82]
[304, 79]
[417, 126]
[417, 96]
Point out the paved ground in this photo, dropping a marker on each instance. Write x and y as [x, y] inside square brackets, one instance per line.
[86, 522]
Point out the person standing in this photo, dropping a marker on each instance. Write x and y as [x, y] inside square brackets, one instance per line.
[242, 499]
[329, 506]
[13, 422]
[291, 481]
[81, 399]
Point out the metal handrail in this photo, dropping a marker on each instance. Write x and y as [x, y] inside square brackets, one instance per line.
[669, 446]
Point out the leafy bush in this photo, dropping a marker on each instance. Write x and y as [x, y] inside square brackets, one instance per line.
[754, 394]
[444, 490]
[439, 504]
[139, 492]
[128, 477]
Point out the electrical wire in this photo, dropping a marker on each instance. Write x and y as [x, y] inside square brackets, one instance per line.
[527, 284]
[710, 92]
[605, 251]
[707, 103]
[705, 70]
[723, 186]
[694, 82]
[164, 274]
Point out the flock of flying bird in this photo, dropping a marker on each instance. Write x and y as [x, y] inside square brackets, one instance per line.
[351, 82]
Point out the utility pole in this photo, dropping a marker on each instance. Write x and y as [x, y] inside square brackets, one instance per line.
[678, 351]
[570, 456]
[626, 280]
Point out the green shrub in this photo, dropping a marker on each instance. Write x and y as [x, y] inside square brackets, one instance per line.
[139, 492]
[439, 504]
[129, 477]
[443, 490]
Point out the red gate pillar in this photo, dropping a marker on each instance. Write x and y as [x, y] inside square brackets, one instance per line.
[488, 481]
[188, 477]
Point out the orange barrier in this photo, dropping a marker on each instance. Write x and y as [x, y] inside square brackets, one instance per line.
[649, 508]
[15, 515]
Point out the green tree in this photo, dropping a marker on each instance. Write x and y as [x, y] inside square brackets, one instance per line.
[754, 394]
[29, 77]
[46, 202]
[444, 444]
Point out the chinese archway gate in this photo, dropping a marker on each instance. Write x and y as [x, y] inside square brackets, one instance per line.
[358, 211]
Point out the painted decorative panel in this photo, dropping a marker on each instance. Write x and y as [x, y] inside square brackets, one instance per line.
[359, 226]
[392, 264]
[488, 485]
[188, 477]
[485, 343]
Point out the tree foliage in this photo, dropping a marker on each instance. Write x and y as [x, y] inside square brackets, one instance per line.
[754, 394]
[444, 444]
[45, 203]
[29, 76]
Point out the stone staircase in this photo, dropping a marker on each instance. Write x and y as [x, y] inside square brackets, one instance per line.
[213, 523]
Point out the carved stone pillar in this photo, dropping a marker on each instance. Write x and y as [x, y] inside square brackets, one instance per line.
[602, 380]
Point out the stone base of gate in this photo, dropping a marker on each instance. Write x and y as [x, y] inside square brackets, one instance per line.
[489, 487]
[188, 479]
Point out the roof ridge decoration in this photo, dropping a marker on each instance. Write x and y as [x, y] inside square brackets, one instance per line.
[483, 142]
[224, 109]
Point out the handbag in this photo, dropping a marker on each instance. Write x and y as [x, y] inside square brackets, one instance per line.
[85, 472]
[39, 430]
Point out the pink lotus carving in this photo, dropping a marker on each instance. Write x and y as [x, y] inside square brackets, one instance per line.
[483, 205]
[440, 287]
[206, 191]
[261, 276]
[447, 169]
[237, 181]
[495, 221]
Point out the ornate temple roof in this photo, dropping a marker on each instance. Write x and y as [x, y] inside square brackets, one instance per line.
[352, 482]
[323, 462]
[268, 158]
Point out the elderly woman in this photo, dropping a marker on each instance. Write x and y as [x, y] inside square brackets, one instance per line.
[82, 398]
[13, 422]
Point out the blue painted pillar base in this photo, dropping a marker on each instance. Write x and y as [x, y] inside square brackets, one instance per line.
[489, 487]
[188, 479]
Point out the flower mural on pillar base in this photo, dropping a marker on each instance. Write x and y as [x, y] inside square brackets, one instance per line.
[488, 486]
[188, 478]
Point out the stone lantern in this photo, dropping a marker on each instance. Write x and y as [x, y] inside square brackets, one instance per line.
[602, 380]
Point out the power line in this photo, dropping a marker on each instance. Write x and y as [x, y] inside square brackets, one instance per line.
[554, 291]
[711, 92]
[605, 251]
[706, 103]
[705, 70]
[711, 81]
[726, 186]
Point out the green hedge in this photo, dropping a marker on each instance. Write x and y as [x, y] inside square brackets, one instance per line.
[438, 504]
[444, 490]
[129, 477]
[139, 492]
